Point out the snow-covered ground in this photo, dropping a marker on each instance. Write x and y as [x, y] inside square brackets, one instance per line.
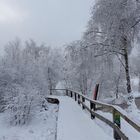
[42, 126]
[75, 124]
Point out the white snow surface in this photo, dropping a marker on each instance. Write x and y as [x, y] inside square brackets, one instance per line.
[41, 127]
[75, 124]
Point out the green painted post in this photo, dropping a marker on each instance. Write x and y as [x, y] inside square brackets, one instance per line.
[117, 121]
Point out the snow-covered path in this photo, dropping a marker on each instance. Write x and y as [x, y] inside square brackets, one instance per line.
[75, 124]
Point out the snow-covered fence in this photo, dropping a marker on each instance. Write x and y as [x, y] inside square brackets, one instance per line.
[92, 106]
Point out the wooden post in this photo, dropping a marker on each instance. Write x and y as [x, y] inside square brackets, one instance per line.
[67, 92]
[83, 100]
[71, 94]
[116, 120]
[92, 108]
[75, 95]
[78, 99]
[95, 94]
[50, 91]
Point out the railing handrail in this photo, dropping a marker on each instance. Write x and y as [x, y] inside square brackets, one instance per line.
[113, 107]
[106, 106]
[93, 101]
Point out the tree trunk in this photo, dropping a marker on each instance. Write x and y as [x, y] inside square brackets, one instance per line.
[49, 81]
[128, 82]
[139, 83]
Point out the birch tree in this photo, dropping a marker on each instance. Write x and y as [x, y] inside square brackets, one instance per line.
[119, 22]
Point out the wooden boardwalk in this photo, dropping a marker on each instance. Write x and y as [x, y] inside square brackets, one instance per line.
[74, 124]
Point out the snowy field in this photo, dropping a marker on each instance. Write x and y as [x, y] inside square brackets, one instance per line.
[42, 126]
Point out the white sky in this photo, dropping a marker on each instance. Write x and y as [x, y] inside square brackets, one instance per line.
[54, 22]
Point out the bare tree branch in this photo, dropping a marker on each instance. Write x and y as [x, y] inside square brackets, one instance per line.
[98, 32]
[120, 61]
[137, 22]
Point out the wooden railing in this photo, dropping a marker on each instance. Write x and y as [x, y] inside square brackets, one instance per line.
[92, 106]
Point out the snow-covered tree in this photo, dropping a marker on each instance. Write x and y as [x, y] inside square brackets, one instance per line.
[25, 78]
[118, 21]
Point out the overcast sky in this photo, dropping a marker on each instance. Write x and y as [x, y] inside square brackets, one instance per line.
[54, 22]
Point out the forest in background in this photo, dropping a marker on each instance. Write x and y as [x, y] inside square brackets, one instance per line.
[103, 55]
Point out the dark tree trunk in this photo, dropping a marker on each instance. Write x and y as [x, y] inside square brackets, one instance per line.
[49, 81]
[128, 82]
[139, 83]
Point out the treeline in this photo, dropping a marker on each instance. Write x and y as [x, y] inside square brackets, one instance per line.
[27, 72]
[103, 54]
